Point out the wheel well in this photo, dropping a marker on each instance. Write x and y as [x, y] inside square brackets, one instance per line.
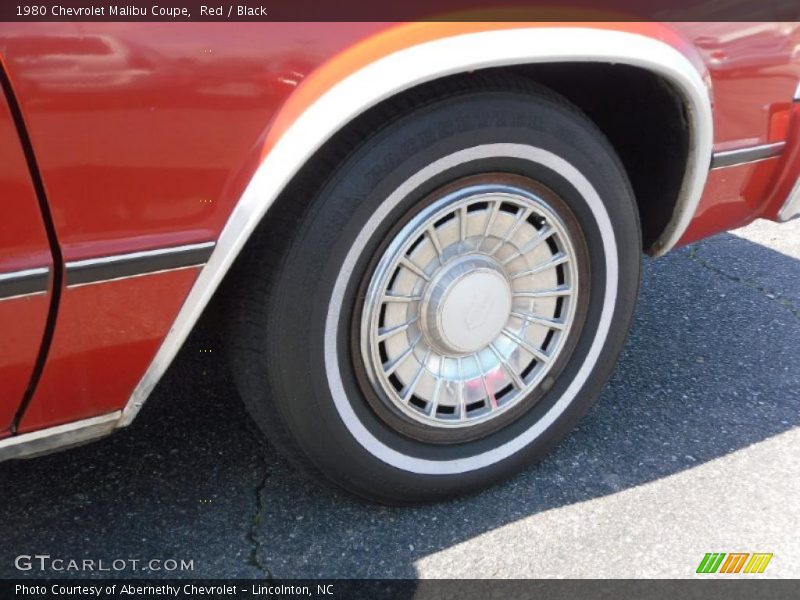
[643, 118]
[640, 113]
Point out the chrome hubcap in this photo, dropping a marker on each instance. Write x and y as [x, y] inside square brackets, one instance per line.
[469, 306]
[466, 306]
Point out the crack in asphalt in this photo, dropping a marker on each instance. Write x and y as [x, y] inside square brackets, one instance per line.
[252, 533]
[770, 294]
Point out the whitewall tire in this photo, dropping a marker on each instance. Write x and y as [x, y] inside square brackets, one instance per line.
[439, 299]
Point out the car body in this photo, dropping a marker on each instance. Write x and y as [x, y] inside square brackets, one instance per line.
[138, 160]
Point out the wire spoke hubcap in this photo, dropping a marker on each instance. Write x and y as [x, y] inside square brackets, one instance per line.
[469, 305]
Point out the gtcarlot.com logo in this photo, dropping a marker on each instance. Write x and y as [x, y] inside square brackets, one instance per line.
[45, 562]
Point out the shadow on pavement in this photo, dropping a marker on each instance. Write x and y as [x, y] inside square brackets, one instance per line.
[710, 368]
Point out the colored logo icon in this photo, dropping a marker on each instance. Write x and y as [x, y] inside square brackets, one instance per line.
[736, 562]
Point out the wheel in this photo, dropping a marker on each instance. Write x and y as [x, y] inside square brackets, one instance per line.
[437, 301]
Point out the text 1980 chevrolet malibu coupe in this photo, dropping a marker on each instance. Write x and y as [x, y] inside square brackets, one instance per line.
[425, 237]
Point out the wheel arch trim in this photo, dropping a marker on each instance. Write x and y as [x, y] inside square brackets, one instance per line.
[295, 143]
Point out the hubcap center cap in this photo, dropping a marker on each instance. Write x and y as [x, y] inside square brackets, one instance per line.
[467, 305]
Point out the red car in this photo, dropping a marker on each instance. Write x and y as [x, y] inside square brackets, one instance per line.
[425, 237]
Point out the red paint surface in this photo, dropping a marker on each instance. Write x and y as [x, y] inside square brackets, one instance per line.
[732, 198]
[22, 322]
[23, 241]
[736, 195]
[754, 68]
[147, 133]
[106, 335]
[141, 129]
[23, 245]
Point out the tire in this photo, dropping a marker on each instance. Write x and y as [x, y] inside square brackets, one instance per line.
[313, 291]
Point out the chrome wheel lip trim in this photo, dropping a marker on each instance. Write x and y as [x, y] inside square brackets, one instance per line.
[390, 260]
[791, 206]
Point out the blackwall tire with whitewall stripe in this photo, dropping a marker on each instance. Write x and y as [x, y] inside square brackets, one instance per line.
[443, 303]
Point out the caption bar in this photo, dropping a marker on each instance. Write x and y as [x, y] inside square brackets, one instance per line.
[410, 10]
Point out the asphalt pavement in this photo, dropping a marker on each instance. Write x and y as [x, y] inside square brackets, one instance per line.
[693, 447]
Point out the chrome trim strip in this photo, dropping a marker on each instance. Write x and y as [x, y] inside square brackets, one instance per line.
[120, 266]
[28, 282]
[741, 156]
[428, 61]
[791, 208]
[797, 93]
[44, 441]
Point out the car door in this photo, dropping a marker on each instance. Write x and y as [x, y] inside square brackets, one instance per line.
[26, 266]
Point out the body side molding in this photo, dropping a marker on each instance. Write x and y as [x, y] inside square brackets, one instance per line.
[741, 156]
[24, 283]
[146, 262]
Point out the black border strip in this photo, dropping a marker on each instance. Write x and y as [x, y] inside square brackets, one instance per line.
[88, 11]
[24, 283]
[698, 586]
[107, 268]
[742, 156]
